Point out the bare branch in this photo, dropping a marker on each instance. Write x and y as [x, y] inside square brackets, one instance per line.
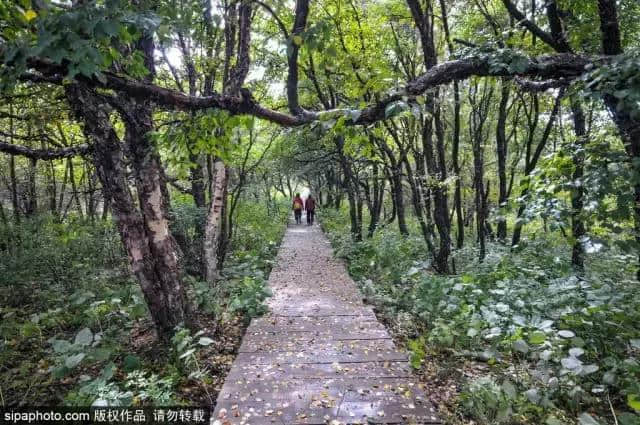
[273, 14]
[531, 26]
[44, 154]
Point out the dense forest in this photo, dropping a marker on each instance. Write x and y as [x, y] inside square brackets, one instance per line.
[475, 163]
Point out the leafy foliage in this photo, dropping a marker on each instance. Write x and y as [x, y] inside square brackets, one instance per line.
[73, 309]
[86, 38]
[552, 340]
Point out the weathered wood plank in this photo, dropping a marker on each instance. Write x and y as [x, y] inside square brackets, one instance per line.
[320, 356]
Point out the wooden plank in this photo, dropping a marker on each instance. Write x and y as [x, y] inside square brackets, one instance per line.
[320, 355]
[293, 341]
[389, 369]
[306, 323]
[350, 351]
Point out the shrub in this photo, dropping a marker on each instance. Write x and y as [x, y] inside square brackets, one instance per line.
[561, 341]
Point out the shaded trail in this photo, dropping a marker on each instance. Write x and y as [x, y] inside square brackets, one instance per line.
[320, 355]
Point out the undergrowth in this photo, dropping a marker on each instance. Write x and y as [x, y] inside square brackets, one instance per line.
[523, 339]
[75, 329]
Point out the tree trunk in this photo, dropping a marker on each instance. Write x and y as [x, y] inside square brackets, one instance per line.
[480, 99]
[395, 179]
[577, 193]
[106, 204]
[628, 126]
[376, 201]
[440, 208]
[441, 202]
[350, 187]
[478, 175]
[353, 214]
[398, 199]
[63, 188]
[197, 182]
[152, 198]
[15, 205]
[74, 187]
[91, 186]
[145, 235]
[457, 196]
[32, 201]
[359, 208]
[501, 151]
[214, 224]
[531, 160]
[227, 228]
[3, 218]
[417, 206]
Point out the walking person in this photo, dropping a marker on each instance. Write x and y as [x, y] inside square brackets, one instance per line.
[297, 208]
[310, 206]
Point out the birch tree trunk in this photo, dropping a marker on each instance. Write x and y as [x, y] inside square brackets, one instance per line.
[214, 224]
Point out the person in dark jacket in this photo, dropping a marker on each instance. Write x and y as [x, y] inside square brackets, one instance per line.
[310, 206]
[297, 208]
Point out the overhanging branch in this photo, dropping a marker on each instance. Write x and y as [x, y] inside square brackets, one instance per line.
[538, 86]
[44, 154]
[558, 66]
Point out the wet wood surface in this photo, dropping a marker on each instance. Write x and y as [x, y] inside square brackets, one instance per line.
[319, 356]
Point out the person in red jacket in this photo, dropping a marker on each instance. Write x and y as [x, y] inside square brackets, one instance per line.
[297, 208]
[310, 206]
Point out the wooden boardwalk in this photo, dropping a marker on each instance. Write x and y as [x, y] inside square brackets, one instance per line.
[320, 356]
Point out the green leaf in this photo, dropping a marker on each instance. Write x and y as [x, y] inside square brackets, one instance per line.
[587, 419]
[621, 94]
[532, 395]
[29, 329]
[108, 371]
[576, 352]
[101, 354]
[205, 341]
[633, 400]
[60, 372]
[566, 334]
[628, 418]
[30, 15]
[571, 363]
[297, 40]
[73, 361]
[131, 363]
[60, 345]
[537, 337]
[84, 337]
[509, 389]
[521, 346]
[110, 28]
[589, 369]
[187, 353]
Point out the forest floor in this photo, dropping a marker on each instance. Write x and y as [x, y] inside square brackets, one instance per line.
[75, 329]
[319, 355]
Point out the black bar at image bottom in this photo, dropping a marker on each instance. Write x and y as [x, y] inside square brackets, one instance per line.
[105, 415]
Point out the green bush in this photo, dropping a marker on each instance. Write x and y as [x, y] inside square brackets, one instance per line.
[71, 305]
[248, 296]
[560, 340]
